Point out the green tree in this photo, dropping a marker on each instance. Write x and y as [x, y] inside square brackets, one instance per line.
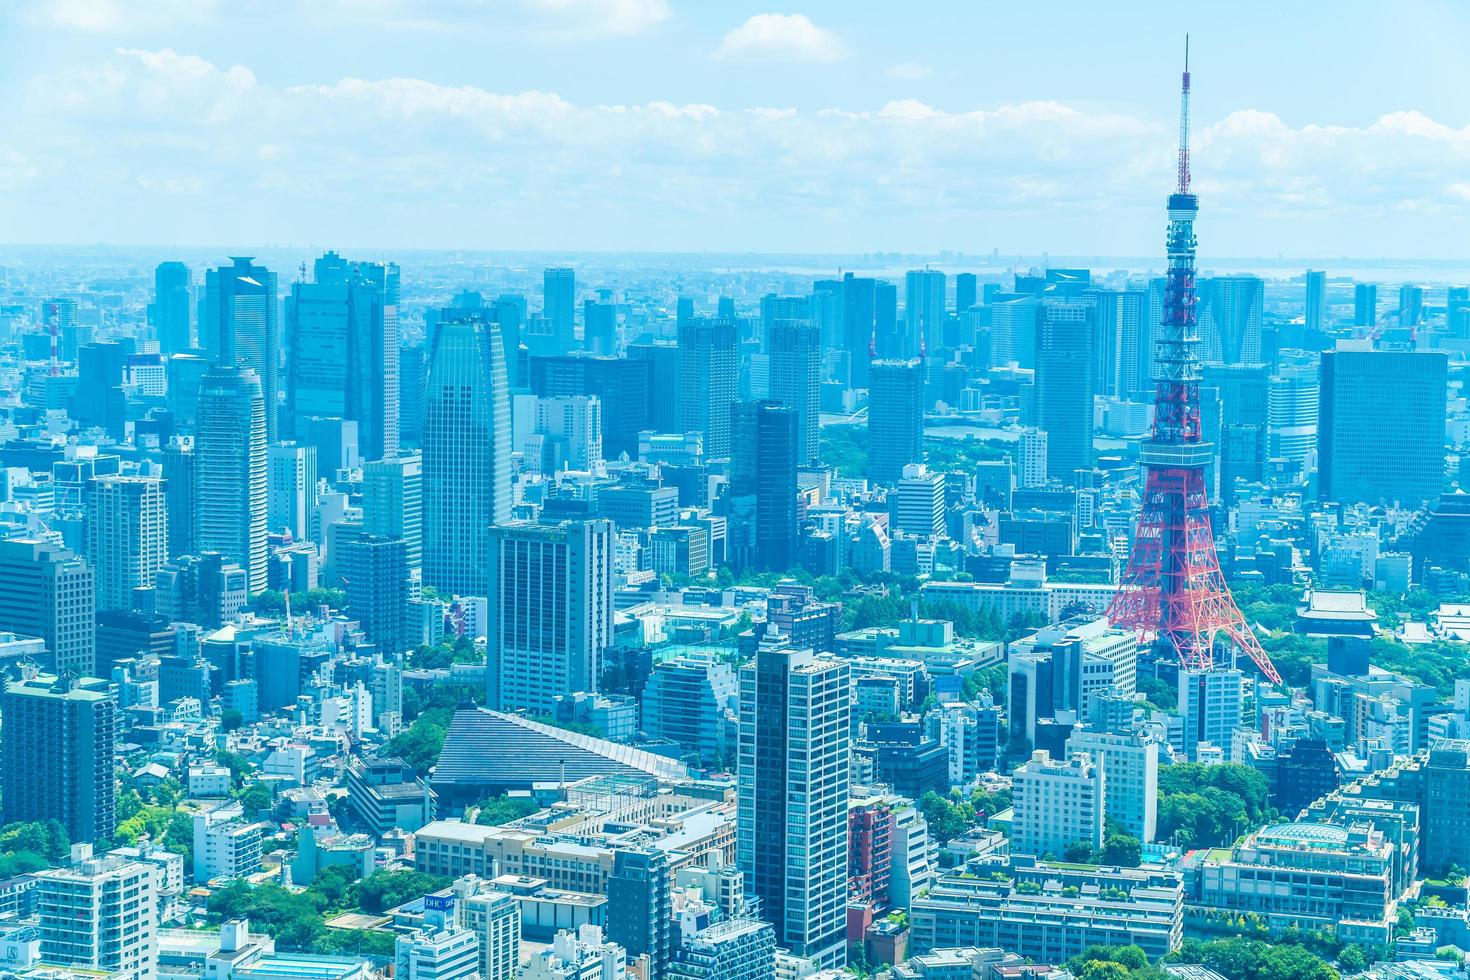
[1352, 959]
[230, 719]
[1122, 850]
[497, 810]
[383, 890]
[1079, 852]
[947, 818]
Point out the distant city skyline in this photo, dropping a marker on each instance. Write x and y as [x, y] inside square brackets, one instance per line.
[656, 125]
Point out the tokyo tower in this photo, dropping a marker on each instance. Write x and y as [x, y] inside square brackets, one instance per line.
[1173, 591]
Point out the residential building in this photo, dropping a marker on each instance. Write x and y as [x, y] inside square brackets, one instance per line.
[796, 363]
[291, 489]
[99, 914]
[59, 752]
[895, 418]
[708, 378]
[49, 592]
[793, 788]
[762, 495]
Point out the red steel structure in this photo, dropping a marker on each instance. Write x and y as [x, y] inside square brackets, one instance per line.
[1173, 592]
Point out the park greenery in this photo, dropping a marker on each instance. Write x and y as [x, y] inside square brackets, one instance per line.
[272, 602]
[297, 919]
[1210, 806]
[493, 811]
[1272, 610]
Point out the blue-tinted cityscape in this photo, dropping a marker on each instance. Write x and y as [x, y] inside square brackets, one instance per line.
[878, 522]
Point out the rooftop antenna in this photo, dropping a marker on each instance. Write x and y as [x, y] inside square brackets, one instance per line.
[1184, 123]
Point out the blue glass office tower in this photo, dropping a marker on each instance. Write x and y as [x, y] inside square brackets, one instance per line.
[172, 307]
[343, 351]
[466, 449]
[241, 326]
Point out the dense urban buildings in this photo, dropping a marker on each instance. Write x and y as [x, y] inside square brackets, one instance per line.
[442, 613]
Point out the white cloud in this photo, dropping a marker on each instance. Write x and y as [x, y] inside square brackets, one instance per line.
[119, 15]
[785, 37]
[908, 71]
[602, 17]
[405, 161]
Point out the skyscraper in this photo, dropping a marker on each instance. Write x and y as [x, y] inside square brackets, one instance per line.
[559, 306]
[762, 494]
[1230, 318]
[550, 612]
[1411, 304]
[796, 380]
[1382, 426]
[393, 502]
[173, 306]
[858, 320]
[1365, 304]
[47, 591]
[966, 291]
[466, 453]
[895, 418]
[230, 501]
[600, 327]
[58, 753]
[1065, 368]
[342, 335]
[707, 382]
[1316, 305]
[791, 838]
[1292, 409]
[178, 490]
[291, 488]
[245, 329]
[924, 309]
[377, 576]
[127, 536]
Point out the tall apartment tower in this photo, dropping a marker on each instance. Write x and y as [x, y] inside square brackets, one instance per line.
[795, 717]
[127, 536]
[178, 491]
[48, 591]
[241, 327]
[173, 307]
[1210, 702]
[377, 576]
[559, 306]
[1130, 766]
[550, 616]
[1315, 315]
[100, 914]
[895, 418]
[1381, 426]
[58, 753]
[639, 907]
[1065, 382]
[495, 917]
[291, 488]
[1365, 304]
[762, 497]
[230, 500]
[924, 308]
[708, 379]
[393, 502]
[1031, 457]
[796, 380]
[342, 339]
[467, 448]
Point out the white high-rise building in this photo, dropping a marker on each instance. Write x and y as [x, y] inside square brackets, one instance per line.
[127, 536]
[550, 612]
[1211, 703]
[442, 953]
[100, 914]
[495, 919]
[566, 435]
[920, 502]
[291, 492]
[230, 513]
[1056, 803]
[1031, 458]
[795, 744]
[1130, 766]
[226, 845]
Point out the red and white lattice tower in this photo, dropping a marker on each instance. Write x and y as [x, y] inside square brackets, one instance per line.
[1172, 591]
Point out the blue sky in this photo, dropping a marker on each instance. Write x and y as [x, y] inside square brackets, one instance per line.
[1323, 129]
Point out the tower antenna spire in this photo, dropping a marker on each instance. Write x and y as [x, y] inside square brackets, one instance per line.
[1184, 123]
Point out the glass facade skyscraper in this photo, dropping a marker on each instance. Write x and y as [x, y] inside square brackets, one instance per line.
[466, 465]
[230, 485]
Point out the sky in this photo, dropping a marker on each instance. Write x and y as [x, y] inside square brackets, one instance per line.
[1321, 129]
